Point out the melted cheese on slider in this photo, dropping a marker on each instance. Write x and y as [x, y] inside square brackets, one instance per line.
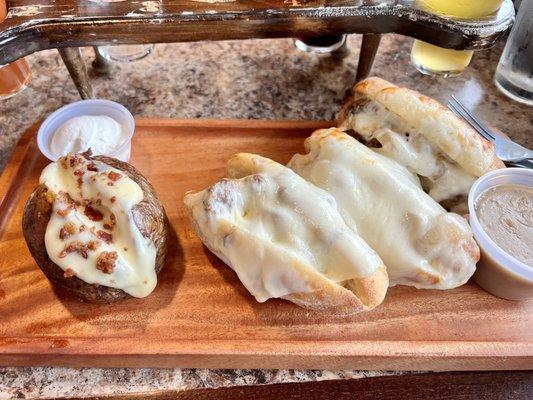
[91, 233]
[277, 231]
[406, 145]
[420, 243]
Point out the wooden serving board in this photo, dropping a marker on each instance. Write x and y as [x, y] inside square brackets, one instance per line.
[201, 316]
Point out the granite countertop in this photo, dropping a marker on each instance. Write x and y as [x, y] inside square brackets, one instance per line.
[255, 79]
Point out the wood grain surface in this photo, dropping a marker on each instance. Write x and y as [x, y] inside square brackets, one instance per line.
[516, 385]
[200, 315]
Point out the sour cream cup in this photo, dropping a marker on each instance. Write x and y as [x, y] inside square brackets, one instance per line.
[88, 107]
[498, 272]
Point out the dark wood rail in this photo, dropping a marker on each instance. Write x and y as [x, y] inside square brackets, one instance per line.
[32, 26]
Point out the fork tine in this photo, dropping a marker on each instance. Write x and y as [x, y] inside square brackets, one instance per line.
[459, 113]
[471, 118]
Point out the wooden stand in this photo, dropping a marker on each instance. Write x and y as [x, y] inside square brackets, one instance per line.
[32, 26]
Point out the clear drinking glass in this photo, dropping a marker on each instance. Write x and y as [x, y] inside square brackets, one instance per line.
[514, 74]
[123, 53]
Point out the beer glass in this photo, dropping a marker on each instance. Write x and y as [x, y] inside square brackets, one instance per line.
[14, 77]
[433, 60]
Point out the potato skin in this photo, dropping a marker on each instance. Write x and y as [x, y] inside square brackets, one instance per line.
[149, 216]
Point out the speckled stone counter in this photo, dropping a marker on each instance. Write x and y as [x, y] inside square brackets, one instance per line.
[266, 79]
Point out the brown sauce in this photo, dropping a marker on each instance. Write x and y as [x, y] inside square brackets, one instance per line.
[506, 215]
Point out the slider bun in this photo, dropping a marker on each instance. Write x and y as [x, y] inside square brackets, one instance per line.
[421, 244]
[270, 264]
[453, 136]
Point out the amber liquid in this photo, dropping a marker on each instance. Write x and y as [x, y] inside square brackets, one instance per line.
[433, 60]
[15, 76]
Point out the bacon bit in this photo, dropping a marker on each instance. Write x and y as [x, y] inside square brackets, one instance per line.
[77, 246]
[92, 167]
[75, 161]
[70, 227]
[87, 154]
[106, 261]
[105, 236]
[63, 234]
[67, 230]
[83, 227]
[93, 245]
[114, 176]
[113, 199]
[63, 213]
[66, 198]
[50, 196]
[92, 214]
[69, 273]
[112, 222]
[79, 173]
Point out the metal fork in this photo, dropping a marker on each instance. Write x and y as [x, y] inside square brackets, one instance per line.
[506, 150]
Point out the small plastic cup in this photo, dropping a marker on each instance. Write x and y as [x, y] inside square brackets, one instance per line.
[88, 107]
[498, 272]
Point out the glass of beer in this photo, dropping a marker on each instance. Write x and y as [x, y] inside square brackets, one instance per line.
[433, 60]
[14, 77]
[514, 75]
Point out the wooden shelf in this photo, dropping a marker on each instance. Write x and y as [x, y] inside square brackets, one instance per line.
[31, 27]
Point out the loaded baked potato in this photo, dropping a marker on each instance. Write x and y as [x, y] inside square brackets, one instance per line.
[96, 228]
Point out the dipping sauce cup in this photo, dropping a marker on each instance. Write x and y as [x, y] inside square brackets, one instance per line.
[94, 107]
[498, 272]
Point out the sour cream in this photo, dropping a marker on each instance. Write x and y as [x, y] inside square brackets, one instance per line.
[100, 133]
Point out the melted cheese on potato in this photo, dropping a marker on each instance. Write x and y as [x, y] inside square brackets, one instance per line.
[91, 233]
[420, 243]
[276, 231]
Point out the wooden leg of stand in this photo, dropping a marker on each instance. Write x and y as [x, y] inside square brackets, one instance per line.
[369, 48]
[78, 72]
[100, 64]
